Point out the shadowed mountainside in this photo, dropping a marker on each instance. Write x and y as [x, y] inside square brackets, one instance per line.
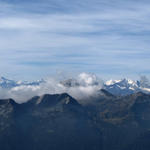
[47, 122]
[61, 122]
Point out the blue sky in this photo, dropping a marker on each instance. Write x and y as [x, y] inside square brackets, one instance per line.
[110, 38]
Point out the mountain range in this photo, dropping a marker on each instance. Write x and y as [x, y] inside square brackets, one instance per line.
[126, 86]
[59, 121]
[7, 83]
[115, 87]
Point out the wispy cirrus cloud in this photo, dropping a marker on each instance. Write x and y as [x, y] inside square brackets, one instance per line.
[93, 36]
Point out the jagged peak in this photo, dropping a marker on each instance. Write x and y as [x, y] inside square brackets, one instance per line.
[124, 80]
[51, 99]
[7, 101]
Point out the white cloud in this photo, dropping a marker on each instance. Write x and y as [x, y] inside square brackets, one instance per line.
[88, 85]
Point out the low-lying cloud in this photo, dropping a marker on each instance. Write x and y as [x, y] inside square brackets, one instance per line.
[82, 86]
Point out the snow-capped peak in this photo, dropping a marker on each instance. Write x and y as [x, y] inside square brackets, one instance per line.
[121, 82]
[7, 83]
[122, 87]
[86, 81]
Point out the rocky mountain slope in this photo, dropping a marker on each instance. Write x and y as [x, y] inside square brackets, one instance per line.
[61, 122]
[47, 122]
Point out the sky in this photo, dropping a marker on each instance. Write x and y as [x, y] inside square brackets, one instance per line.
[40, 38]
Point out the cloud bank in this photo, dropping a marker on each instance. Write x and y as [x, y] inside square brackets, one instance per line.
[83, 86]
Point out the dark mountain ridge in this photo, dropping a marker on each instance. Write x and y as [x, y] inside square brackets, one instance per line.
[46, 122]
[60, 122]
